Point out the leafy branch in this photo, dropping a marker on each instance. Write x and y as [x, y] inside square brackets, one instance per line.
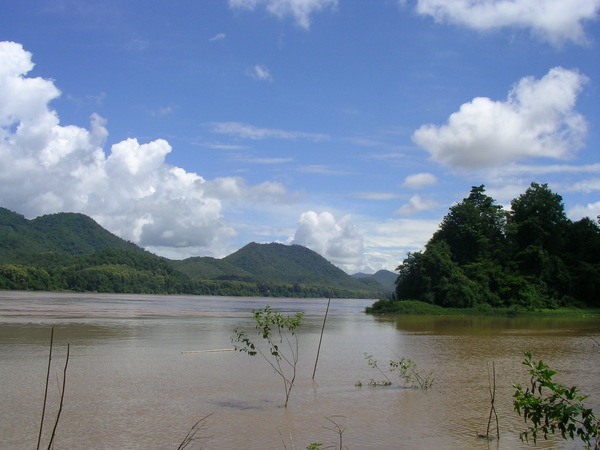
[552, 407]
[279, 334]
[407, 370]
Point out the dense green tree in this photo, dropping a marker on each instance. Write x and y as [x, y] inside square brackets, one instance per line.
[583, 260]
[538, 219]
[538, 228]
[474, 228]
[532, 256]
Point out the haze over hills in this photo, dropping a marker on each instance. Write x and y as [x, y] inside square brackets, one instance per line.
[71, 251]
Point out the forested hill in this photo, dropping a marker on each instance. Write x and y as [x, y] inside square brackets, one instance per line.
[65, 233]
[289, 264]
[69, 251]
[530, 257]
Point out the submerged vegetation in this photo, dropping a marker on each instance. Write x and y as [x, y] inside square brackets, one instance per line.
[493, 261]
[278, 334]
[405, 368]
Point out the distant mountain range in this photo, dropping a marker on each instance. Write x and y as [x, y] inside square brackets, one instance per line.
[71, 251]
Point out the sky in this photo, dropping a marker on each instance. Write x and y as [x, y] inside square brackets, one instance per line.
[350, 127]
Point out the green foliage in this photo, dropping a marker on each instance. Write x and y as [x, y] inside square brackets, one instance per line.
[532, 257]
[552, 407]
[415, 307]
[16, 276]
[410, 374]
[64, 233]
[278, 334]
[405, 368]
[373, 364]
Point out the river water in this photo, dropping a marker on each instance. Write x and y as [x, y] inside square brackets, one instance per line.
[131, 385]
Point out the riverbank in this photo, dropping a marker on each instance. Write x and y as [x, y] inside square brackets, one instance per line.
[414, 307]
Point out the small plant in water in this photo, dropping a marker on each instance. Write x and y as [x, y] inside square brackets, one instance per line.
[552, 407]
[412, 376]
[373, 363]
[278, 333]
[406, 369]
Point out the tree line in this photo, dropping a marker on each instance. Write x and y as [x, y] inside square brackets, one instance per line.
[532, 256]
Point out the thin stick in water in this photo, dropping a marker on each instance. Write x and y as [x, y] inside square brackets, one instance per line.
[62, 397]
[492, 389]
[46, 390]
[321, 338]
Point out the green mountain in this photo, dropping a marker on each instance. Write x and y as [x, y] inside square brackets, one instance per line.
[63, 233]
[208, 268]
[384, 278]
[293, 264]
[264, 263]
[68, 251]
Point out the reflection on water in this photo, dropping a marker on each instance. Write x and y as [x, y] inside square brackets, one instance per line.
[130, 386]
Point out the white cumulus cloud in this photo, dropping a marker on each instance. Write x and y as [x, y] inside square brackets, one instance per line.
[419, 180]
[301, 10]
[339, 241]
[46, 167]
[591, 210]
[415, 205]
[538, 119]
[555, 21]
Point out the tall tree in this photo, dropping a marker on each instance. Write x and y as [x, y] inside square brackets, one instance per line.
[538, 219]
[538, 227]
[474, 228]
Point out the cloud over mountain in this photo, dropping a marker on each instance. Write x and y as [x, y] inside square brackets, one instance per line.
[337, 240]
[47, 167]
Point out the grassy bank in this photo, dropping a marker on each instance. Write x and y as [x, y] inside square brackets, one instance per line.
[414, 307]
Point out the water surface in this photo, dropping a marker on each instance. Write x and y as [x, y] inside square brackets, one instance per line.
[129, 385]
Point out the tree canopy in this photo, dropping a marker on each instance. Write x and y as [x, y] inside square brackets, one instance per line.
[532, 256]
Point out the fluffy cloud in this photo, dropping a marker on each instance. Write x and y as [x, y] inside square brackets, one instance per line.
[537, 120]
[578, 212]
[132, 191]
[416, 204]
[551, 20]
[299, 9]
[336, 240]
[419, 180]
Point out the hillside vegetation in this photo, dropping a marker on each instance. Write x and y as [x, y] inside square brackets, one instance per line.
[69, 251]
[531, 257]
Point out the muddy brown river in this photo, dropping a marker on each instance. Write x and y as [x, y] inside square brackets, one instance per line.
[131, 386]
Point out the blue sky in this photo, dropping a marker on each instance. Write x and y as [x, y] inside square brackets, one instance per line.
[350, 127]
